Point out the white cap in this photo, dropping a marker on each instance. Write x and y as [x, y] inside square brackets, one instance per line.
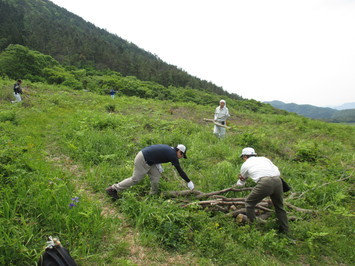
[222, 101]
[182, 148]
[248, 151]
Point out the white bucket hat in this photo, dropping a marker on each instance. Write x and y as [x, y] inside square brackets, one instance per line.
[248, 151]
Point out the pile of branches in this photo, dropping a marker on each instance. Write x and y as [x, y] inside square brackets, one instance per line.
[234, 207]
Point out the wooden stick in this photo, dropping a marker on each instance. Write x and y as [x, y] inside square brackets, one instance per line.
[219, 201]
[216, 123]
[200, 194]
[203, 195]
[174, 194]
[299, 209]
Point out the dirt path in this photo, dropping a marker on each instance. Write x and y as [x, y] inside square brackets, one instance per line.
[139, 254]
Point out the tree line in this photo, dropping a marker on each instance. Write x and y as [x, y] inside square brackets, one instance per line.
[20, 62]
[52, 30]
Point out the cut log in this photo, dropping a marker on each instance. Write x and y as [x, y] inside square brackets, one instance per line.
[241, 219]
[236, 212]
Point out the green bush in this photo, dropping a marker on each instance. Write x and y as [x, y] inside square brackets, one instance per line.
[307, 152]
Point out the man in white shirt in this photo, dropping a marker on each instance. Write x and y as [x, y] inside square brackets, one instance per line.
[220, 116]
[266, 175]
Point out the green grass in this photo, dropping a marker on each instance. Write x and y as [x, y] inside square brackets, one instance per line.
[60, 144]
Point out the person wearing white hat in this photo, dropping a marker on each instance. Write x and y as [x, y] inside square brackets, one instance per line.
[220, 116]
[266, 175]
[148, 161]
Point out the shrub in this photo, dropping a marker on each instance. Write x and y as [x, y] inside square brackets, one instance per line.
[306, 152]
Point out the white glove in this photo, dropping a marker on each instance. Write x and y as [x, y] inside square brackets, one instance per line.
[240, 183]
[191, 185]
[160, 168]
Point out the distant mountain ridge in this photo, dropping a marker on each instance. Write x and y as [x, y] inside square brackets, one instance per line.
[322, 113]
[344, 106]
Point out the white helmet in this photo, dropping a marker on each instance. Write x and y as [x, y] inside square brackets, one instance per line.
[248, 151]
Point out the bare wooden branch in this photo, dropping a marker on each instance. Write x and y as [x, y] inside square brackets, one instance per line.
[200, 194]
[263, 208]
[299, 209]
[236, 212]
[174, 194]
[215, 202]
[226, 199]
[216, 123]
[205, 195]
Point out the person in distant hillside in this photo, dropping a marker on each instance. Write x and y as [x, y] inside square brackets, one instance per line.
[112, 93]
[148, 161]
[17, 91]
[220, 116]
[266, 175]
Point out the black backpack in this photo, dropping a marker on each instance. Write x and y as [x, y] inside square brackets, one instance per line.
[285, 186]
[56, 255]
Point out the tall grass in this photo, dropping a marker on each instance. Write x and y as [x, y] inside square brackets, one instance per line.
[41, 197]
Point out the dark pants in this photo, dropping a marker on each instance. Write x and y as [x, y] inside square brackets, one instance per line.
[268, 186]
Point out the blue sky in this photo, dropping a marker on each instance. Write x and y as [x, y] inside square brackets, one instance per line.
[294, 51]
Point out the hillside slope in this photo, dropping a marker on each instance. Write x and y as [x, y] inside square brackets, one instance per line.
[61, 148]
[45, 27]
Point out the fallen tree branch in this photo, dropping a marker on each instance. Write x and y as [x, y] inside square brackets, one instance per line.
[299, 209]
[206, 195]
[215, 202]
[174, 194]
[200, 194]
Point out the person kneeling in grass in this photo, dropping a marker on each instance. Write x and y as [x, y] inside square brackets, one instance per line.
[148, 161]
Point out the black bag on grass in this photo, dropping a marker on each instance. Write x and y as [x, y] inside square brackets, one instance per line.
[285, 186]
[56, 255]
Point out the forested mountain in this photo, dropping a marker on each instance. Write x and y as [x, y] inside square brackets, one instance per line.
[45, 27]
[311, 111]
[344, 106]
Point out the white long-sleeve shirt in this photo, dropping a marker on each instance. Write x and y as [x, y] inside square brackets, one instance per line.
[221, 114]
[257, 167]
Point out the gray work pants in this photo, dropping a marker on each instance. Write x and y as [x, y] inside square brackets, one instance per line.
[268, 186]
[141, 168]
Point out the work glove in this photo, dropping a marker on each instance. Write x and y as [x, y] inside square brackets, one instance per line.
[160, 168]
[191, 185]
[240, 183]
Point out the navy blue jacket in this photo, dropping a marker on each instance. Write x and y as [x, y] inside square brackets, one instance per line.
[162, 153]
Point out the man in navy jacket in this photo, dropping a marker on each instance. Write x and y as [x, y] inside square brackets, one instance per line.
[148, 161]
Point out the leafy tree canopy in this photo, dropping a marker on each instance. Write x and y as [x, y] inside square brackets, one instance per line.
[18, 61]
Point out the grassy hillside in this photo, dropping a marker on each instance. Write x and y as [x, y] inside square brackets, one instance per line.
[63, 147]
